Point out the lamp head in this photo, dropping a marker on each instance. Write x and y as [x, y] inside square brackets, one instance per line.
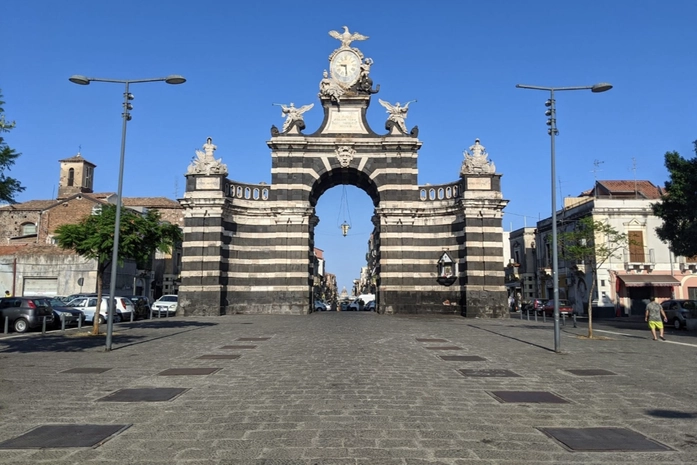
[79, 79]
[175, 79]
[601, 87]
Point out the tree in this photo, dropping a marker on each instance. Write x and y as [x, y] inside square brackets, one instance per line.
[8, 186]
[592, 243]
[139, 237]
[677, 207]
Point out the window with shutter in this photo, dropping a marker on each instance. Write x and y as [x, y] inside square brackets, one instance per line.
[636, 246]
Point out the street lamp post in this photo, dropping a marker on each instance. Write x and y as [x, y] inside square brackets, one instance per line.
[127, 97]
[552, 131]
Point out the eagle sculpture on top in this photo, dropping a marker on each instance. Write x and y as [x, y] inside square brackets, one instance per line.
[346, 37]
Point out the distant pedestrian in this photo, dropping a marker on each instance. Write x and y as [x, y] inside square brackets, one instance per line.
[7, 293]
[511, 303]
[655, 317]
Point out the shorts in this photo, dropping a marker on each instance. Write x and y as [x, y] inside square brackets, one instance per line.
[656, 324]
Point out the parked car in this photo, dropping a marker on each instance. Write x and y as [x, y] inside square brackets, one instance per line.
[344, 306]
[166, 304]
[320, 306]
[535, 305]
[678, 311]
[370, 306]
[88, 305]
[63, 313]
[25, 313]
[141, 304]
[564, 308]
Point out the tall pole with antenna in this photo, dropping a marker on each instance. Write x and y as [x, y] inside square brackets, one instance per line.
[596, 164]
[636, 194]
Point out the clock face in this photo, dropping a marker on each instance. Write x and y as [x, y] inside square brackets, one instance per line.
[345, 67]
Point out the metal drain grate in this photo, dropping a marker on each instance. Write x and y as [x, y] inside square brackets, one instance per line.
[462, 358]
[431, 340]
[488, 373]
[86, 370]
[532, 397]
[604, 439]
[592, 372]
[219, 357]
[55, 436]
[238, 347]
[189, 371]
[143, 395]
[251, 339]
[444, 348]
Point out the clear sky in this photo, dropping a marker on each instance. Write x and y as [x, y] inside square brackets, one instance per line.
[460, 60]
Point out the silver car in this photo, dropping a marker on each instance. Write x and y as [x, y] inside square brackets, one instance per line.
[88, 305]
[678, 311]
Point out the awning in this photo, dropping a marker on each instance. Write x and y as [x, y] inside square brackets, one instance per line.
[641, 280]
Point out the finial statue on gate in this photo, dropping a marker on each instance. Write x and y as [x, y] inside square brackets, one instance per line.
[205, 162]
[294, 116]
[397, 115]
[346, 37]
[476, 162]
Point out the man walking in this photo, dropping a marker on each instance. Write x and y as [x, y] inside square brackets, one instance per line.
[655, 316]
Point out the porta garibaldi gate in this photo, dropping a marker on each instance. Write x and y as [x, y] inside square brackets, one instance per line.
[247, 247]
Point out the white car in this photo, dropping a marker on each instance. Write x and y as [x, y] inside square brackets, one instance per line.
[320, 306]
[88, 305]
[165, 305]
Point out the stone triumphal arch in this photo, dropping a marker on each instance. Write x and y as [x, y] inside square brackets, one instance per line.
[248, 247]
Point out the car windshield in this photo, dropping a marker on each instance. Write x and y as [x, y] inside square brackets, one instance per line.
[689, 305]
[57, 303]
[168, 298]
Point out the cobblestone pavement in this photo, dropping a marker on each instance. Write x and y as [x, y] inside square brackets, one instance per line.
[350, 388]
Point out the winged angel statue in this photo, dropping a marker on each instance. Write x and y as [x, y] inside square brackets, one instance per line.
[346, 37]
[397, 114]
[293, 115]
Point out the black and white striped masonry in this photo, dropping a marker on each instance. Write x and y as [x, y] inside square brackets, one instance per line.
[247, 248]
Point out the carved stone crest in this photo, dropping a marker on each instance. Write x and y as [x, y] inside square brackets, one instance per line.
[205, 162]
[345, 154]
[476, 162]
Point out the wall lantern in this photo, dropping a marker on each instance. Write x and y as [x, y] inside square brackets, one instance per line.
[447, 270]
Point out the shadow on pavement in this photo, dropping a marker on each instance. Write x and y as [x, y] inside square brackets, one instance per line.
[670, 414]
[512, 338]
[81, 340]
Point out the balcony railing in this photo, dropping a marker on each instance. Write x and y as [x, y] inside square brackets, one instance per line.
[635, 260]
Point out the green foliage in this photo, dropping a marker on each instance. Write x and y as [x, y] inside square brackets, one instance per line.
[8, 186]
[139, 237]
[592, 242]
[678, 206]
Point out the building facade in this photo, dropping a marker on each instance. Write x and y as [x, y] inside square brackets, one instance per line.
[624, 283]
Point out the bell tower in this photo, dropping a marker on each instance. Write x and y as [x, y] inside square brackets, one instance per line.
[76, 176]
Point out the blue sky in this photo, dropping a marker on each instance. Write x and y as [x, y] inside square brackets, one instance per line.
[460, 60]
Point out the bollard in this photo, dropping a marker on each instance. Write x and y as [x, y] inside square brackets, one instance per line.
[544, 316]
[7, 324]
[563, 319]
[132, 313]
[574, 320]
[43, 325]
[535, 316]
[521, 314]
[528, 315]
[63, 322]
[159, 313]
[79, 322]
[151, 313]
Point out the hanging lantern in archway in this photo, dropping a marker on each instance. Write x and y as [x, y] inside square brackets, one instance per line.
[344, 211]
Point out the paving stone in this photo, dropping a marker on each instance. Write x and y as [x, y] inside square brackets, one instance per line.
[344, 388]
